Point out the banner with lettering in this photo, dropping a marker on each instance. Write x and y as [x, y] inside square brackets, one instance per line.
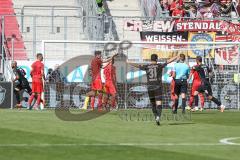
[148, 25]
[163, 51]
[183, 26]
[209, 26]
[195, 26]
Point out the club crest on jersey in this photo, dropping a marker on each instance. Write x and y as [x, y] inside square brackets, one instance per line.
[201, 50]
[2, 94]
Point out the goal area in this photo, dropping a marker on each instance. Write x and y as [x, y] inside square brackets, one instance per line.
[74, 59]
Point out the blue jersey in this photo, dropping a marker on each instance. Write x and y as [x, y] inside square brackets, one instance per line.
[182, 71]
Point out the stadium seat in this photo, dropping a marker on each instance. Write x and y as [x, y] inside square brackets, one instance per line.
[12, 30]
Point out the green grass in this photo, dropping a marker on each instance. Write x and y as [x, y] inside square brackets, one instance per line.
[35, 128]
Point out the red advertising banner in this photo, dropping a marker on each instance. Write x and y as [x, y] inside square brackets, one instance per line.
[209, 26]
[195, 26]
[183, 26]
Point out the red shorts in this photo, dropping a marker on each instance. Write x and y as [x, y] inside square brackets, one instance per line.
[37, 86]
[195, 86]
[110, 88]
[96, 85]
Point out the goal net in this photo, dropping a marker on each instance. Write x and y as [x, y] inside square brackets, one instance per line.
[74, 59]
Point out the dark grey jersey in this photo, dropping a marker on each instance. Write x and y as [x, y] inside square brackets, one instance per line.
[154, 72]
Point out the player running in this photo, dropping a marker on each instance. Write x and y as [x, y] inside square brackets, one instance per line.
[181, 73]
[195, 85]
[38, 76]
[22, 83]
[96, 85]
[205, 87]
[154, 72]
[110, 85]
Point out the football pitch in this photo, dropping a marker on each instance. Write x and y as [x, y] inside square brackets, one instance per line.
[40, 135]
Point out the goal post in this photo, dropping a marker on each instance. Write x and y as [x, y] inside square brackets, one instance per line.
[226, 75]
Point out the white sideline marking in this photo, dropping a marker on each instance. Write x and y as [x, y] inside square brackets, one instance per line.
[228, 141]
[118, 144]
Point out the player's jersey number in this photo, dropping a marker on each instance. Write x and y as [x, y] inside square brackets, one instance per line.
[152, 73]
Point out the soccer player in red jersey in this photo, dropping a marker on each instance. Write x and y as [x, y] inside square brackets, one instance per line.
[37, 74]
[96, 85]
[110, 84]
[204, 73]
[195, 85]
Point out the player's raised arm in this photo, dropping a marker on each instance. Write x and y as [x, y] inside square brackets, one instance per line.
[109, 59]
[172, 59]
[106, 64]
[134, 64]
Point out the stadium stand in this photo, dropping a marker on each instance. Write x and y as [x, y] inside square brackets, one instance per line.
[152, 8]
[13, 35]
[124, 8]
[59, 20]
[63, 21]
[192, 8]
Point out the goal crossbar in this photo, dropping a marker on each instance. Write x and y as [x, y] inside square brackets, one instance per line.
[139, 42]
[135, 42]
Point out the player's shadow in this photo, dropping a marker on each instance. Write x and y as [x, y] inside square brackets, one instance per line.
[63, 112]
[181, 123]
[203, 113]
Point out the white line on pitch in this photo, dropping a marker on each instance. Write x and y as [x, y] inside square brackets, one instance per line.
[118, 144]
[228, 141]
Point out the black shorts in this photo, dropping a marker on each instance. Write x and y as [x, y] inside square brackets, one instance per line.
[155, 92]
[205, 87]
[24, 86]
[180, 86]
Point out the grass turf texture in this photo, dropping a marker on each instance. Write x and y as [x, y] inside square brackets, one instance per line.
[35, 127]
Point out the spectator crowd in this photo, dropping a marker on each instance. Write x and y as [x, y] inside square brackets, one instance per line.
[201, 9]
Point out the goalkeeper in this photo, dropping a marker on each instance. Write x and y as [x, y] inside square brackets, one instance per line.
[22, 83]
